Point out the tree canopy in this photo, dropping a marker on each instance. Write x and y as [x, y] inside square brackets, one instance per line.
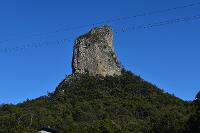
[88, 104]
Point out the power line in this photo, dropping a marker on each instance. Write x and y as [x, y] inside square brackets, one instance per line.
[34, 45]
[161, 23]
[109, 21]
[127, 29]
[149, 13]
[130, 17]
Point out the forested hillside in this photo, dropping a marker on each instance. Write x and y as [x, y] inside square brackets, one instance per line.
[96, 104]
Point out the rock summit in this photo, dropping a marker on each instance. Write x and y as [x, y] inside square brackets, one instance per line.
[93, 53]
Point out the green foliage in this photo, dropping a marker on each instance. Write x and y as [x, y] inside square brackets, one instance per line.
[197, 99]
[193, 124]
[87, 104]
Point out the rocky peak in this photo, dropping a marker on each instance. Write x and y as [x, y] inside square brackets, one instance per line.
[94, 53]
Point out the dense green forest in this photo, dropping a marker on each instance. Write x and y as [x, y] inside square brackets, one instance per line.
[88, 104]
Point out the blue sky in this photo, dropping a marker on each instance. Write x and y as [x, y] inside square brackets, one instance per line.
[167, 56]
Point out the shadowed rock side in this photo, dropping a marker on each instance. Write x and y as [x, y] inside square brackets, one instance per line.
[94, 53]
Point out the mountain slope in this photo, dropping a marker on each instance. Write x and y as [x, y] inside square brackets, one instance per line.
[86, 103]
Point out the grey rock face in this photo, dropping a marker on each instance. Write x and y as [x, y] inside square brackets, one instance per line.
[94, 53]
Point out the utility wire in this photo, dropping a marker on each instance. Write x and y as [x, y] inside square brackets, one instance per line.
[161, 23]
[149, 13]
[127, 29]
[109, 21]
[128, 17]
[34, 45]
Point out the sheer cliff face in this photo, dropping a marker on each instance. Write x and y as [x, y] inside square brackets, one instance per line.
[93, 53]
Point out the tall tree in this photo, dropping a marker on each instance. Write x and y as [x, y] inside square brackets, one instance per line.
[194, 121]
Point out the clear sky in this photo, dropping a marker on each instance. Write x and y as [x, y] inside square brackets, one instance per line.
[167, 56]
